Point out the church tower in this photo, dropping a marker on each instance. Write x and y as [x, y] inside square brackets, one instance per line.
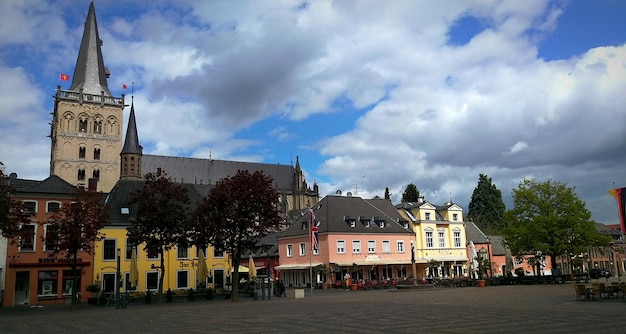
[132, 152]
[87, 122]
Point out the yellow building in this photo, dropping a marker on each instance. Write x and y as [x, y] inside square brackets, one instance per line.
[439, 236]
[181, 266]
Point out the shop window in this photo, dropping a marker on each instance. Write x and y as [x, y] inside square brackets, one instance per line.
[68, 281]
[182, 279]
[152, 280]
[47, 285]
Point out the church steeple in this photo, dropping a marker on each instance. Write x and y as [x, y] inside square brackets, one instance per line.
[131, 143]
[132, 152]
[90, 74]
[87, 121]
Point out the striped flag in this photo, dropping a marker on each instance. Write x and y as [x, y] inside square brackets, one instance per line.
[64, 77]
[315, 243]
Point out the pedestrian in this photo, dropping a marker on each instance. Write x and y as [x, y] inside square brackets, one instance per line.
[346, 277]
[281, 289]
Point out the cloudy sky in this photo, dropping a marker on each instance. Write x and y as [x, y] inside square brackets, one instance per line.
[369, 94]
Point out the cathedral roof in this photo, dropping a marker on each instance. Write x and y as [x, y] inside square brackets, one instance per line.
[209, 171]
[90, 73]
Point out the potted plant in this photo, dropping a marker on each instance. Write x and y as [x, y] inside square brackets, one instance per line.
[483, 266]
[323, 270]
[94, 289]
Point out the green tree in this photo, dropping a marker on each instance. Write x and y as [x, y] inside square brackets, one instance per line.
[410, 194]
[11, 214]
[548, 219]
[161, 218]
[387, 193]
[486, 207]
[76, 227]
[235, 215]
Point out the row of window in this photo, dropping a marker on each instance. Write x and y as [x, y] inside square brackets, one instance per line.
[356, 247]
[81, 174]
[427, 216]
[48, 283]
[152, 281]
[109, 251]
[82, 152]
[31, 206]
[386, 245]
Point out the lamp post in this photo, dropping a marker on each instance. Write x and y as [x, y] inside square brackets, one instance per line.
[118, 275]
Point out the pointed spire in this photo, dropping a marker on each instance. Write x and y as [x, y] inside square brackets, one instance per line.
[297, 163]
[90, 73]
[131, 143]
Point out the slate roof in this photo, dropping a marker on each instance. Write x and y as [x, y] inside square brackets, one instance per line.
[209, 171]
[90, 73]
[131, 144]
[51, 185]
[497, 245]
[473, 233]
[331, 212]
[122, 192]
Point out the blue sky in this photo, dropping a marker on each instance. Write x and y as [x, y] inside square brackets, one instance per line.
[368, 96]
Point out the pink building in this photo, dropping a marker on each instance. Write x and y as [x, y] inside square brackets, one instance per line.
[363, 238]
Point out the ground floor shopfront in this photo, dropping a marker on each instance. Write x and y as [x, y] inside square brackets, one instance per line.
[337, 273]
[45, 281]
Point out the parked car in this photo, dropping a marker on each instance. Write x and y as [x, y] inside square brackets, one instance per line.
[599, 273]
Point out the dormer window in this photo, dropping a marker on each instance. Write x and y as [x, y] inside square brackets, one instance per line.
[427, 215]
[455, 216]
[304, 225]
[350, 221]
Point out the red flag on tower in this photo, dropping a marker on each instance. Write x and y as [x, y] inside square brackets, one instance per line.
[124, 86]
[64, 77]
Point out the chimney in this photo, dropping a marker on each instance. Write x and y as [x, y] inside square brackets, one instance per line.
[93, 185]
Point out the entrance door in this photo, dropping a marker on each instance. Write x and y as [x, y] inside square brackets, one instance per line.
[21, 288]
[108, 283]
[218, 279]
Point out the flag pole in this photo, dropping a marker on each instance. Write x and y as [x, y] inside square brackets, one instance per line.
[621, 227]
[311, 222]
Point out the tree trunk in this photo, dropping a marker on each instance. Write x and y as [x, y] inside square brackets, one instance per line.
[234, 279]
[75, 288]
[161, 277]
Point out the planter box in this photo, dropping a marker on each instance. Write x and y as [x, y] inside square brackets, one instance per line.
[295, 293]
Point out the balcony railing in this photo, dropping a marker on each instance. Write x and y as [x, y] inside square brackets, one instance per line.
[84, 97]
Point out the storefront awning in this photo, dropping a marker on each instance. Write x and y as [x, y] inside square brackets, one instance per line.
[377, 263]
[296, 266]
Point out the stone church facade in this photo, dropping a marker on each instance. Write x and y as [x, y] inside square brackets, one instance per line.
[88, 149]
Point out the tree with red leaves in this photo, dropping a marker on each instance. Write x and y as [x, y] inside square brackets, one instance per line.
[75, 228]
[11, 214]
[161, 217]
[235, 215]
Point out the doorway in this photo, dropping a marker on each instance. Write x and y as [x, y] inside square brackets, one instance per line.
[21, 288]
[218, 279]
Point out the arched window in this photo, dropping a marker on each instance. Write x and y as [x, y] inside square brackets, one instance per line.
[82, 125]
[81, 175]
[96, 154]
[96, 174]
[97, 126]
[82, 151]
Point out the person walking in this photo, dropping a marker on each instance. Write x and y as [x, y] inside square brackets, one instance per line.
[346, 278]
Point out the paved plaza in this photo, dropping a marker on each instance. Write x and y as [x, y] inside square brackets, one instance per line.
[518, 308]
